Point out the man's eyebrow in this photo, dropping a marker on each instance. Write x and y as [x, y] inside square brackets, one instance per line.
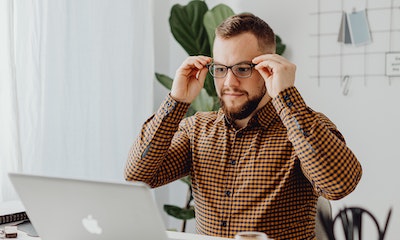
[246, 61]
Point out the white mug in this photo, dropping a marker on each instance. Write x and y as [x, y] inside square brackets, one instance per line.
[251, 236]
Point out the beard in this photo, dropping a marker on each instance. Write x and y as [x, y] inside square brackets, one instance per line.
[247, 108]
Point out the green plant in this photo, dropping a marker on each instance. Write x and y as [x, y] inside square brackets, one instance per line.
[193, 26]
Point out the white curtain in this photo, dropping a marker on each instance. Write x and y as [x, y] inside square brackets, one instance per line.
[76, 85]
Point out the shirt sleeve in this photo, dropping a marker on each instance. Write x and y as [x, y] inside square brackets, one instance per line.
[160, 154]
[326, 161]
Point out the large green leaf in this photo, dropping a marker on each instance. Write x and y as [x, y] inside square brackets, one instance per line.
[187, 27]
[178, 212]
[203, 102]
[209, 85]
[164, 80]
[215, 17]
[187, 180]
[280, 47]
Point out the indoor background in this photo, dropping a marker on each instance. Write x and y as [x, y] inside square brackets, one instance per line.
[77, 81]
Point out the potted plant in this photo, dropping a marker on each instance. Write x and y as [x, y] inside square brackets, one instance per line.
[193, 27]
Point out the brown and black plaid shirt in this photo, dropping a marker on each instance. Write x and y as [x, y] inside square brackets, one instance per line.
[265, 177]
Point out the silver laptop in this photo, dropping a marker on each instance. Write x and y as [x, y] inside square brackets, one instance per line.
[65, 209]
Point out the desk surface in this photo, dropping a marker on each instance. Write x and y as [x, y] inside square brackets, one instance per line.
[191, 236]
[171, 235]
[16, 206]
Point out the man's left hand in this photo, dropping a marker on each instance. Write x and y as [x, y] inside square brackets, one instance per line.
[277, 71]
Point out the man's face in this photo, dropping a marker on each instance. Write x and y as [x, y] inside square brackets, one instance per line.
[239, 97]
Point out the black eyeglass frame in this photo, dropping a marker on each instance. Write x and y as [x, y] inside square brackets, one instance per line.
[251, 65]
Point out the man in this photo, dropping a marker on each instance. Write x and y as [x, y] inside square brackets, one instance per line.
[260, 162]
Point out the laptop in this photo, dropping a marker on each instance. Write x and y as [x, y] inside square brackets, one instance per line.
[66, 209]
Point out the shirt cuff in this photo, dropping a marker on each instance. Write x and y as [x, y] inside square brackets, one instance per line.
[173, 110]
[287, 101]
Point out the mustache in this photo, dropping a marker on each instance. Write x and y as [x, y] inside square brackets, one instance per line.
[233, 90]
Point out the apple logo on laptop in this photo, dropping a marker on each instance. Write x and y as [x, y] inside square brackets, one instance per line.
[91, 225]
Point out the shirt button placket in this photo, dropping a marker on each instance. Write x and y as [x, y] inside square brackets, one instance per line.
[235, 153]
[227, 193]
[238, 135]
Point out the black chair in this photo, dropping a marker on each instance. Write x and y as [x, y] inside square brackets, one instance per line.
[351, 219]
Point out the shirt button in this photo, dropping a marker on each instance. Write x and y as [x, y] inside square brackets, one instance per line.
[289, 104]
[227, 193]
[233, 162]
[239, 134]
[286, 97]
[224, 223]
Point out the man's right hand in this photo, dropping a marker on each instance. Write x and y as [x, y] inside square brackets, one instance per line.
[189, 78]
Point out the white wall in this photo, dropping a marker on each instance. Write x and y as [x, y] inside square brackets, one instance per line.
[368, 116]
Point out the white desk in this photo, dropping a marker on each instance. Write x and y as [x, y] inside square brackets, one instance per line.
[16, 206]
[171, 235]
[191, 236]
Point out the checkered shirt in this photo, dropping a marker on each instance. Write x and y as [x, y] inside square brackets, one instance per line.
[264, 177]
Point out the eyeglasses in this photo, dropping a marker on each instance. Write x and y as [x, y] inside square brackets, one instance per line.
[240, 70]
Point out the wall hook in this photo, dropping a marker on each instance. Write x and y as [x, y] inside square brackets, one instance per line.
[346, 84]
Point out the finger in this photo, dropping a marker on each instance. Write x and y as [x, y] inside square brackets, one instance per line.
[261, 58]
[270, 57]
[202, 74]
[266, 56]
[266, 71]
[199, 65]
[197, 62]
[275, 63]
[203, 60]
[266, 67]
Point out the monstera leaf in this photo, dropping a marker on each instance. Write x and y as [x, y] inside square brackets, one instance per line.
[164, 80]
[203, 102]
[187, 27]
[215, 17]
[193, 26]
[178, 212]
[280, 47]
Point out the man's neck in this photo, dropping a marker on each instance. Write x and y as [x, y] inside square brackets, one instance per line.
[241, 123]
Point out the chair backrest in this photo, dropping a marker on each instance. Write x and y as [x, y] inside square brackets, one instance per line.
[324, 208]
[351, 219]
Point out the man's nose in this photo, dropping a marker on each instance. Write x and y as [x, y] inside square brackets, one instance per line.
[230, 79]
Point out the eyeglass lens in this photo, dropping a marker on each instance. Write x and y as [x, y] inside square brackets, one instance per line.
[241, 70]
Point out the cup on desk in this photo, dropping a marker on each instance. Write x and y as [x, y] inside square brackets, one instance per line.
[251, 236]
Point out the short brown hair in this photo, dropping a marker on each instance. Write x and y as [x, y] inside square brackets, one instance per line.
[247, 22]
